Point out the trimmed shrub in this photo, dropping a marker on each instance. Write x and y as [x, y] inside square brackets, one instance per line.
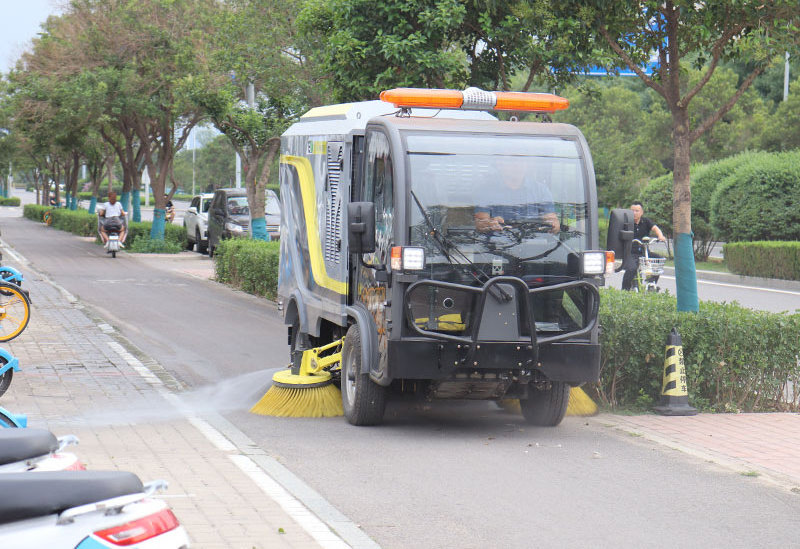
[760, 200]
[765, 259]
[736, 359]
[172, 233]
[10, 201]
[251, 265]
[143, 245]
[34, 212]
[706, 178]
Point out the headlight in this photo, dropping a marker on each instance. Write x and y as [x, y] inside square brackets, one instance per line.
[407, 258]
[233, 227]
[594, 263]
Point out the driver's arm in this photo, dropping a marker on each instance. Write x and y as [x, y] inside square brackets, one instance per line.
[552, 219]
[486, 224]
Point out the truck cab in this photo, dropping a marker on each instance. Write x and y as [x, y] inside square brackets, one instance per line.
[457, 254]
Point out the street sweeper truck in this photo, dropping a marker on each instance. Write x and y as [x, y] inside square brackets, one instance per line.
[427, 246]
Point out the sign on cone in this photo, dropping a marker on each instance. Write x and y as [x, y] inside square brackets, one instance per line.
[674, 390]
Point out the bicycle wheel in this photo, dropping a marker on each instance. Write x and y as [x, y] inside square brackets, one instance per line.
[6, 422]
[15, 311]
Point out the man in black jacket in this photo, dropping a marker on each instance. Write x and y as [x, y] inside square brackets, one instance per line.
[642, 227]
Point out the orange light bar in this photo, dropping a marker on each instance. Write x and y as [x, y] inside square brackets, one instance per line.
[535, 102]
[419, 97]
[474, 99]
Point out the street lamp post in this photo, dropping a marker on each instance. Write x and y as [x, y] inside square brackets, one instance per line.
[194, 148]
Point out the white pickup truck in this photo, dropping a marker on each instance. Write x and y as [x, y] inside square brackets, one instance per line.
[195, 221]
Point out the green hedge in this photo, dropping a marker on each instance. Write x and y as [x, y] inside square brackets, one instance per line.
[759, 201]
[736, 359]
[705, 179]
[251, 265]
[83, 223]
[766, 259]
[10, 201]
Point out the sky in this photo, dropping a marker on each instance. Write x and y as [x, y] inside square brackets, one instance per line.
[19, 23]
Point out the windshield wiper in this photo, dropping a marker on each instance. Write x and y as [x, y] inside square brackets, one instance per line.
[446, 246]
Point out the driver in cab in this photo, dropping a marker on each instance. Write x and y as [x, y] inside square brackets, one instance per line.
[519, 198]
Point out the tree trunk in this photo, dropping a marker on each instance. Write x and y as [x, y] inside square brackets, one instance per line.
[685, 273]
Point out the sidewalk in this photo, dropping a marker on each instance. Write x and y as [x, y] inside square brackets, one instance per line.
[80, 376]
[764, 445]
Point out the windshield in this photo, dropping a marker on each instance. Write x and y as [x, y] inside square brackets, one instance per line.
[273, 205]
[237, 205]
[498, 205]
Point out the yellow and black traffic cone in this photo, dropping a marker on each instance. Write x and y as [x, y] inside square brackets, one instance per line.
[674, 391]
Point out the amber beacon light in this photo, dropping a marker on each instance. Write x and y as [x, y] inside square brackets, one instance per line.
[474, 99]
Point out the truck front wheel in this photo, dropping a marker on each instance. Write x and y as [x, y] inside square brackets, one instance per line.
[546, 407]
[363, 400]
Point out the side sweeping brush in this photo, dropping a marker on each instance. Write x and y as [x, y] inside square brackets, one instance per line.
[306, 392]
[580, 404]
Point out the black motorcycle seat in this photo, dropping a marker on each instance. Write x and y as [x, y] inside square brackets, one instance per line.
[22, 444]
[113, 224]
[29, 495]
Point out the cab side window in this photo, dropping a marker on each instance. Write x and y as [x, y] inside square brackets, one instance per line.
[379, 181]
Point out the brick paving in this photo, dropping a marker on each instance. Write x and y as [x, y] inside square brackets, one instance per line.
[80, 377]
[767, 444]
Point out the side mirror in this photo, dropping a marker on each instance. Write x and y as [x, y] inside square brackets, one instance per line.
[620, 234]
[192, 209]
[361, 227]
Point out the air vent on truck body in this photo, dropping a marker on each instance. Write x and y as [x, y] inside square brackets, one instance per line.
[333, 214]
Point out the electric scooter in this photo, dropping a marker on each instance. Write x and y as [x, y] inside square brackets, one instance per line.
[113, 228]
[36, 450]
[85, 510]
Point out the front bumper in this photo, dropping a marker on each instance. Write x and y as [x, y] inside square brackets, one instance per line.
[423, 359]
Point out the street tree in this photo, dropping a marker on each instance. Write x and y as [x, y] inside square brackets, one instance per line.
[268, 65]
[367, 47]
[682, 34]
[144, 55]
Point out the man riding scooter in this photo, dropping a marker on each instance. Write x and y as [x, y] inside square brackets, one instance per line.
[112, 213]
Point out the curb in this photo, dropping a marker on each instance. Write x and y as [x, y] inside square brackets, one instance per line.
[757, 282]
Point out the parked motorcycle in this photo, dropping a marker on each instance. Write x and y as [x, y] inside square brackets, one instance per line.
[85, 510]
[36, 450]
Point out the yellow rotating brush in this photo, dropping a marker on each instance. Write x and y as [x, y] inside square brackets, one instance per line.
[308, 393]
[580, 404]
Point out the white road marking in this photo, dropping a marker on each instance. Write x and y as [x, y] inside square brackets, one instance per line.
[310, 523]
[729, 285]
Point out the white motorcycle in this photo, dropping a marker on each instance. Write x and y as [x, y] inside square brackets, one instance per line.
[85, 510]
[113, 227]
[36, 450]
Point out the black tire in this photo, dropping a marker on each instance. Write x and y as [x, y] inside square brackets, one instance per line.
[5, 421]
[201, 248]
[189, 242]
[113, 253]
[5, 379]
[363, 400]
[546, 407]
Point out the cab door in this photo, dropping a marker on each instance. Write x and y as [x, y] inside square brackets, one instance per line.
[377, 186]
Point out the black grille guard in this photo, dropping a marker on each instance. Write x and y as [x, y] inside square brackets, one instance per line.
[527, 315]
